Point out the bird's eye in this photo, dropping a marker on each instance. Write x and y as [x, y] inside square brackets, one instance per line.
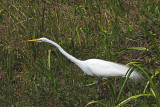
[39, 41]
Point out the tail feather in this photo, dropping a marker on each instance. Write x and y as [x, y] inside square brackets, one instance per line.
[136, 76]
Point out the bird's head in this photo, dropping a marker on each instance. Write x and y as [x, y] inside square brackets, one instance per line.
[38, 40]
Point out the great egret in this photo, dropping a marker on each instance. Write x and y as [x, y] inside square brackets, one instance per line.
[96, 67]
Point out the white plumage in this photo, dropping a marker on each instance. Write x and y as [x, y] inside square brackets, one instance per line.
[106, 69]
[96, 67]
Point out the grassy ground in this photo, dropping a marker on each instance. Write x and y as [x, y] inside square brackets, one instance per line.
[122, 31]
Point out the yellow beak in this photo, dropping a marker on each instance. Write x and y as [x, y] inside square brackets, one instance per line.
[34, 40]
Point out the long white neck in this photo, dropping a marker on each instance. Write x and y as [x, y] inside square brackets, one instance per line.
[70, 57]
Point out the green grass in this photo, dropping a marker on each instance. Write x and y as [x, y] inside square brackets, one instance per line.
[35, 74]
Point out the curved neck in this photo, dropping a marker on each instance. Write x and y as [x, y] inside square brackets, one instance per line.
[70, 57]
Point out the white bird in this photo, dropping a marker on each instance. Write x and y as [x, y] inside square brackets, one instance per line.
[96, 67]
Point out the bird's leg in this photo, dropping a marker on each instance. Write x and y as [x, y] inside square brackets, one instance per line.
[115, 93]
[98, 85]
[96, 95]
[115, 90]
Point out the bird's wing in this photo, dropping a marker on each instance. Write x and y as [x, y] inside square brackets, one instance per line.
[106, 69]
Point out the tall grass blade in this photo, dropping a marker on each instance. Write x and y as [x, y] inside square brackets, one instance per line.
[149, 79]
[130, 70]
[132, 98]
[12, 14]
[137, 48]
[96, 102]
[133, 48]
[154, 91]
[113, 91]
[152, 39]
[156, 73]
[49, 59]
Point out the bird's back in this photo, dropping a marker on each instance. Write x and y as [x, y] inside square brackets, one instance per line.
[107, 69]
